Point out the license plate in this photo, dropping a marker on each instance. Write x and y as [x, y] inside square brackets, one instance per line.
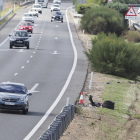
[9, 103]
[19, 41]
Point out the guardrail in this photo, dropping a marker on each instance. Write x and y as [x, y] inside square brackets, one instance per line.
[134, 5]
[26, 3]
[60, 123]
[10, 11]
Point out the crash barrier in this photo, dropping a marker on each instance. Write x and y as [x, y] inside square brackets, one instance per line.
[136, 26]
[5, 16]
[60, 123]
[134, 5]
[26, 3]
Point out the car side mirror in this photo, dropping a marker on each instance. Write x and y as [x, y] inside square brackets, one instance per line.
[29, 35]
[29, 94]
[9, 35]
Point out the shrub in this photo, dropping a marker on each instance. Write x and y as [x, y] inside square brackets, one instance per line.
[102, 19]
[82, 8]
[122, 8]
[112, 55]
[132, 36]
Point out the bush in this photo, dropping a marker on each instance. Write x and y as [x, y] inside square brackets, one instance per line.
[122, 8]
[132, 36]
[102, 19]
[82, 8]
[112, 55]
[128, 1]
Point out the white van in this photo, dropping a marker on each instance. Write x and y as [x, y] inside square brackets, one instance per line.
[43, 3]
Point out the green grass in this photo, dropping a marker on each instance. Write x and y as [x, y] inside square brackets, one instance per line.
[125, 96]
[92, 36]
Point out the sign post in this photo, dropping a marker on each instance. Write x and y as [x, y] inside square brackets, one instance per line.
[109, 1]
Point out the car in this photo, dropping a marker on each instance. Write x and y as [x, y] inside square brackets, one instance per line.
[37, 7]
[34, 12]
[19, 38]
[28, 17]
[56, 15]
[14, 96]
[57, 1]
[26, 26]
[55, 7]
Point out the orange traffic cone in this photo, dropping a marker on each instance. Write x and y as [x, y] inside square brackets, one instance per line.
[81, 98]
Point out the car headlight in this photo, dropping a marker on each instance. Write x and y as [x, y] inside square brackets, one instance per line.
[12, 39]
[21, 27]
[27, 39]
[30, 27]
[22, 99]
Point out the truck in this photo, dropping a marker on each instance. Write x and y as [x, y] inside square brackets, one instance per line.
[43, 3]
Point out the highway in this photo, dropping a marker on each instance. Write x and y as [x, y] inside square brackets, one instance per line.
[44, 69]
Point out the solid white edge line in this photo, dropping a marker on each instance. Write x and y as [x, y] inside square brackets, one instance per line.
[63, 89]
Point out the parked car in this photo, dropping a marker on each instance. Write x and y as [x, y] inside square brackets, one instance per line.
[28, 17]
[34, 12]
[19, 38]
[37, 7]
[26, 26]
[55, 7]
[56, 15]
[14, 96]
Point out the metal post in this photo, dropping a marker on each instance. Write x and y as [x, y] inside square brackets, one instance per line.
[83, 33]
[91, 46]
[91, 80]
[14, 5]
[87, 41]
[78, 23]
[67, 103]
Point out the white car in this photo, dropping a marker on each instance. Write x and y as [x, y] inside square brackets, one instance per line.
[28, 17]
[37, 7]
[34, 12]
[55, 7]
[57, 1]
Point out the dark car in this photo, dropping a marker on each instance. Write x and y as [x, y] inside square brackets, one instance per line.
[14, 96]
[58, 16]
[19, 39]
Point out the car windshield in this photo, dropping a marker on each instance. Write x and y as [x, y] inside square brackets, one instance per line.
[11, 88]
[20, 34]
[40, 0]
[55, 5]
[28, 15]
[26, 24]
[37, 6]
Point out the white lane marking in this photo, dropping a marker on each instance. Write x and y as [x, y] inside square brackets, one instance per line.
[33, 52]
[63, 89]
[31, 56]
[56, 26]
[15, 74]
[32, 90]
[23, 67]
[4, 41]
[28, 61]
[55, 38]
[55, 52]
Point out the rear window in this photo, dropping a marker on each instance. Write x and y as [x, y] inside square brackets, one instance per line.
[12, 88]
[26, 24]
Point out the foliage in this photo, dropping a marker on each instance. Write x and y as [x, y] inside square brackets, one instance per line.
[122, 8]
[132, 36]
[102, 19]
[112, 55]
[99, 2]
[82, 8]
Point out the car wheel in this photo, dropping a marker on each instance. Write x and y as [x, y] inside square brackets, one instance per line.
[51, 20]
[28, 47]
[31, 32]
[24, 111]
[37, 15]
[51, 10]
[11, 46]
[62, 21]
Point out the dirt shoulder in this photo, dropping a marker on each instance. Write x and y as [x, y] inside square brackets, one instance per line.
[97, 123]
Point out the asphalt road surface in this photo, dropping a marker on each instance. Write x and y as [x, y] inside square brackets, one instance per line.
[44, 69]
